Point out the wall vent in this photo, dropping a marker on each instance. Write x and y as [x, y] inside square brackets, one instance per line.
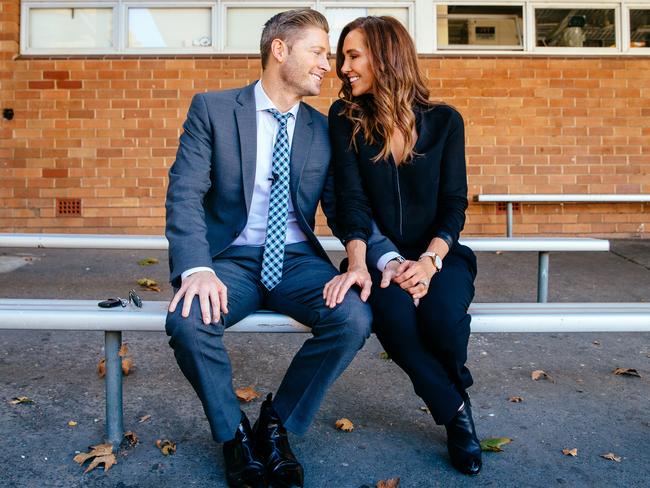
[68, 207]
[502, 207]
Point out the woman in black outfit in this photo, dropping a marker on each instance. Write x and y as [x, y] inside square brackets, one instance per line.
[400, 170]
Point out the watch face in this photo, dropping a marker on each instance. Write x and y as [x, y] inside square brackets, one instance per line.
[438, 262]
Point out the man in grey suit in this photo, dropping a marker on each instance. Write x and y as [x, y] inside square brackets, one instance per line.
[251, 167]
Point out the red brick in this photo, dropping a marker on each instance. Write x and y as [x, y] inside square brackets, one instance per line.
[81, 114]
[41, 85]
[56, 75]
[55, 173]
[68, 84]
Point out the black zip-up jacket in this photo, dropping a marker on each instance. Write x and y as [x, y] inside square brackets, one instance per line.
[412, 203]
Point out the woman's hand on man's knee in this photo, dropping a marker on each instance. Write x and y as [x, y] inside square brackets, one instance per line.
[335, 290]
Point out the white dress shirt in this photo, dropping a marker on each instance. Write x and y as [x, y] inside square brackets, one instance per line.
[254, 233]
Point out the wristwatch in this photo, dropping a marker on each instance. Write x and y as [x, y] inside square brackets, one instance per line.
[437, 260]
[399, 259]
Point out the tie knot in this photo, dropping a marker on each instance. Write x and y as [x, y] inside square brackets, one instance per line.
[281, 118]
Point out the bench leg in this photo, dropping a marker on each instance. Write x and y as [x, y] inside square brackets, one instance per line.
[114, 417]
[542, 277]
[509, 219]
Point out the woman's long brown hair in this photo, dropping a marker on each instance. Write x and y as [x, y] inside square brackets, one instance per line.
[398, 85]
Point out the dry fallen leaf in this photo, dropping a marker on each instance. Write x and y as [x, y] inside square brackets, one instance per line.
[344, 424]
[127, 365]
[101, 367]
[72, 423]
[570, 452]
[20, 399]
[131, 438]
[626, 372]
[540, 374]
[425, 409]
[247, 394]
[611, 456]
[515, 399]
[494, 444]
[124, 349]
[148, 284]
[102, 454]
[390, 483]
[107, 461]
[166, 446]
[596, 343]
[144, 418]
[384, 355]
[147, 261]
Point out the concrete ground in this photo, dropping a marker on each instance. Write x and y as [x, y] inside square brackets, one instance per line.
[584, 407]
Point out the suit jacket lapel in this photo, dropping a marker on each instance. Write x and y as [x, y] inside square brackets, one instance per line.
[247, 128]
[300, 146]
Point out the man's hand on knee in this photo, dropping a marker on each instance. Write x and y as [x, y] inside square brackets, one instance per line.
[212, 293]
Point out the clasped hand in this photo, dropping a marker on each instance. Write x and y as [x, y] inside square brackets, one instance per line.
[411, 276]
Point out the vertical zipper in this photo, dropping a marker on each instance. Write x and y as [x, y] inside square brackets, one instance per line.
[399, 197]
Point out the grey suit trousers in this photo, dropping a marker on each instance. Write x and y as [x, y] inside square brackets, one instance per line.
[337, 334]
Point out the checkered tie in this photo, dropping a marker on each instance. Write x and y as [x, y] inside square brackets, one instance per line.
[276, 225]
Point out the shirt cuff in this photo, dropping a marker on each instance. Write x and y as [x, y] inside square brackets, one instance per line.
[355, 235]
[385, 259]
[190, 271]
[445, 236]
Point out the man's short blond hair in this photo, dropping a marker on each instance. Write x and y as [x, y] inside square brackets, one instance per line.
[287, 26]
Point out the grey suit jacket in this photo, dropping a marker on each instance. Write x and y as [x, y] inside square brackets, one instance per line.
[211, 181]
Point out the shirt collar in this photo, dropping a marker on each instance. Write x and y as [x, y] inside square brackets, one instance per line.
[263, 102]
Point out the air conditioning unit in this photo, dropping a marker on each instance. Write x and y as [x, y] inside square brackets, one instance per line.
[497, 32]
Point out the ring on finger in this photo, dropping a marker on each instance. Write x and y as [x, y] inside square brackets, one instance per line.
[425, 283]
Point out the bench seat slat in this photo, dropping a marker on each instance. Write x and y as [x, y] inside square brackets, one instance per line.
[80, 241]
[486, 317]
[564, 198]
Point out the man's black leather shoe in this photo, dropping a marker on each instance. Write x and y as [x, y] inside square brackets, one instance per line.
[272, 443]
[462, 442]
[243, 468]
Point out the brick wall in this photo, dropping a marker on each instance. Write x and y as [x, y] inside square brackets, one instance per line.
[105, 130]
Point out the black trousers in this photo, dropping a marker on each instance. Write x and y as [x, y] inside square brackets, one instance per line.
[429, 342]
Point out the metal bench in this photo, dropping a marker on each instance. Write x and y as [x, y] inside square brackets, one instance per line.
[67, 315]
[552, 198]
[541, 245]
[34, 314]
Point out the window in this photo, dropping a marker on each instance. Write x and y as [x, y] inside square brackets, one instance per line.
[575, 28]
[339, 17]
[70, 28]
[244, 27]
[639, 28]
[169, 27]
[480, 27]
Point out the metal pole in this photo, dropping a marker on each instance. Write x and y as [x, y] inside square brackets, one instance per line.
[509, 220]
[114, 417]
[542, 277]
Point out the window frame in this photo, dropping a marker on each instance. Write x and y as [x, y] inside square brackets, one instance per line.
[124, 27]
[223, 22]
[323, 5]
[578, 51]
[25, 31]
[626, 32]
[459, 49]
